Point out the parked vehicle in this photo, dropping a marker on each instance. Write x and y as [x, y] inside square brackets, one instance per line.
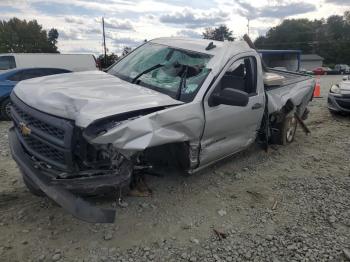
[72, 62]
[321, 70]
[171, 103]
[10, 78]
[304, 71]
[339, 97]
[342, 69]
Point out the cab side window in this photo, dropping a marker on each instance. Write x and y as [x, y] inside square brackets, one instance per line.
[7, 62]
[241, 76]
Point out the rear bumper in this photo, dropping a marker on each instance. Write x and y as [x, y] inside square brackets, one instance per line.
[339, 103]
[60, 190]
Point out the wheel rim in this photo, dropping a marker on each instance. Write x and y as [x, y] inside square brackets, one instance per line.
[291, 127]
[8, 109]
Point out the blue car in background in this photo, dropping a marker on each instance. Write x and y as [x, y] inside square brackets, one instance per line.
[10, 78]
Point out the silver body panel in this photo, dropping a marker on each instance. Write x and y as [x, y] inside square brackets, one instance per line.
[218, 131]
[87, 96]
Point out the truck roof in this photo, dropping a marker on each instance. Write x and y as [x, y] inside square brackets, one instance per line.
[200, 45]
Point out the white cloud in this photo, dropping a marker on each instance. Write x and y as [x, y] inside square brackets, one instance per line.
[118, 24]
[74, 20]
[194, 19]
[131, 21]
[189, 33]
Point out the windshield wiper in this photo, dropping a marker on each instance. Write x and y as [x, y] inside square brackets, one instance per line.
[182, 83]
[146, 71]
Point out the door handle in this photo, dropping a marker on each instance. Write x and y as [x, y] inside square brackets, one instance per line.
[257, 106]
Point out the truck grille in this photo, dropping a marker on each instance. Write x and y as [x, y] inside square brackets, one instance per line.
[47, 138]
[51, 130]
[43, 149]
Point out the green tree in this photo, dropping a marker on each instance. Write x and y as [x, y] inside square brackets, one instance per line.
[126, 50]
[21, 36]
[220, 33]
[52, 38]
[110, 60]
[329, 38]
[290, 34]
[347, 17]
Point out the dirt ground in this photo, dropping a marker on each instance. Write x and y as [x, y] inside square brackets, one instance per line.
[290, 204]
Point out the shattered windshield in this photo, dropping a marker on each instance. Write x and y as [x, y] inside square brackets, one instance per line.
[174, 72]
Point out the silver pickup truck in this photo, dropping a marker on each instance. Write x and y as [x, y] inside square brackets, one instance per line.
[171, 103]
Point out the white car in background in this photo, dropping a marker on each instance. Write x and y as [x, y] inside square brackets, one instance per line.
[339, 97]
[71, 62]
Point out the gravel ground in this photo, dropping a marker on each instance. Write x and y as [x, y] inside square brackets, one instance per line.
[290, 204]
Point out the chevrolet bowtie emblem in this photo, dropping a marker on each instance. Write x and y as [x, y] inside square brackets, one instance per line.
[25, 130]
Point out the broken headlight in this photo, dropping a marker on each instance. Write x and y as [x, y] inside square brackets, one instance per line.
[102, 126]
[335, 89]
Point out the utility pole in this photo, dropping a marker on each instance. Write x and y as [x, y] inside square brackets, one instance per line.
[248, 25]
[104, 40]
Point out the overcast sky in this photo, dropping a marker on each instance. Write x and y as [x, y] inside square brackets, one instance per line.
[129, 22]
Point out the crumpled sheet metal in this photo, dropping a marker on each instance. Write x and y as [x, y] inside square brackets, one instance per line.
[176, 124]
[299, 93]
[88, 96]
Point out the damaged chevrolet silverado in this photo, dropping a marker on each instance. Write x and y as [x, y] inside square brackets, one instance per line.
[172, 102]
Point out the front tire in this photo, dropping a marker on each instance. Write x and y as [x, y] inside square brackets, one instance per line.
[5, 109]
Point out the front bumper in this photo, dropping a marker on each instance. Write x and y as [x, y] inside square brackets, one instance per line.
[58, 190]
[339, 103]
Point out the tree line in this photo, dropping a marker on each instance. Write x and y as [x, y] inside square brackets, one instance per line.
[329, 38]
[21, 36]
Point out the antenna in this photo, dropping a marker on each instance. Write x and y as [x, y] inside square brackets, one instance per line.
[104, 40]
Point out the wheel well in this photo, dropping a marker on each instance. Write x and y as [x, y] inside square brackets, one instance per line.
[288, 107]
[168, 155]
[278, 117]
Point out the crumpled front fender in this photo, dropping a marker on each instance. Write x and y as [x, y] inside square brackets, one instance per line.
[175, 124]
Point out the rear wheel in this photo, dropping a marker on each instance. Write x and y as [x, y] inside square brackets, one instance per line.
[5, 109]
[287, 129]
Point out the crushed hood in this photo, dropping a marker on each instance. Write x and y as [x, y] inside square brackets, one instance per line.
[87, 96]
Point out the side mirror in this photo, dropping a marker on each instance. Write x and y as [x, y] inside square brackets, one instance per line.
[230, 97]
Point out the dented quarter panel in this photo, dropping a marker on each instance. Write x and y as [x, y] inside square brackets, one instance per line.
[299, 93]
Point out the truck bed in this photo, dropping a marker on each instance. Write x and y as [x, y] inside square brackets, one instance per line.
[296, 87]
[290, 78]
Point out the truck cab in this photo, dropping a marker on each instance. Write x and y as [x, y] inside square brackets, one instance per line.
[173, 102]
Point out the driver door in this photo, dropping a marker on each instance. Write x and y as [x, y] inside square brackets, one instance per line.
[228, 128]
